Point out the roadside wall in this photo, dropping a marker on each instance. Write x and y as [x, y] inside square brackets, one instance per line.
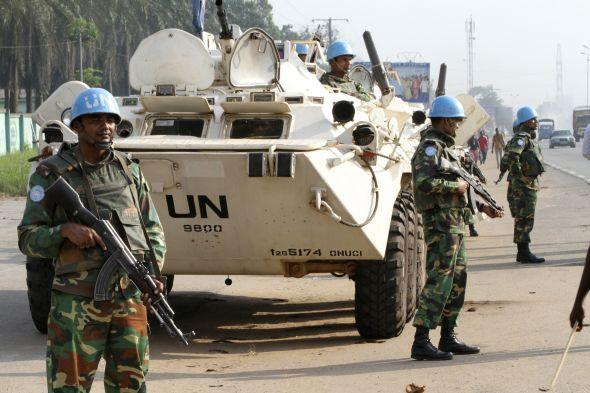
[22, 132]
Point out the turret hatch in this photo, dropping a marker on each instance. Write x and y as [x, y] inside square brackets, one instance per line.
[254, 62]
[171, 56]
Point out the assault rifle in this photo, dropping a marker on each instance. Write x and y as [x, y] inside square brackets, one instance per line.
[226, 31]
[118, 255]
[475, 187]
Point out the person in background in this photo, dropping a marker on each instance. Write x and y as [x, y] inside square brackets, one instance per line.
[498, 146]
[340, 56]
[473, 147]
[524, 163]
[483, 143]
[302, 50]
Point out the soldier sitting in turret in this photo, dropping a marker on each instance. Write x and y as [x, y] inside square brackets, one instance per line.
[340, 55]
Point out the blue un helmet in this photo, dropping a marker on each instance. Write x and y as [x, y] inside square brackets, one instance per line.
[339, 48]
[525, 113]
[301, 49]
[94, 101]
[446, 106]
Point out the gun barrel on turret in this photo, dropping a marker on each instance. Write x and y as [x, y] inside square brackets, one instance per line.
[226, 32]
[442, 80]
[378, 69]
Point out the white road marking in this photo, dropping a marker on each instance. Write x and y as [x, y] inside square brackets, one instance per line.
[569, 172]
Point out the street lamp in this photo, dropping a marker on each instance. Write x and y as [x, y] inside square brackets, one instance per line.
[587, 54]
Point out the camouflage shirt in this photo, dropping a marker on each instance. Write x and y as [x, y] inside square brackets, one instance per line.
[347, 86]
[436, 194]
[76, 269]
[523, 161]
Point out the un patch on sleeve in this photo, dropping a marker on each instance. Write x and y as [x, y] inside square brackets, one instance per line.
[37, 193]
[520, 142]
[430, 151]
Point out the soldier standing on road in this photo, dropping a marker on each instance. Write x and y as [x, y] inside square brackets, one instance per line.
[498, 146]
[81, 330]
[524, 163]
[441, 198]
[340, 56]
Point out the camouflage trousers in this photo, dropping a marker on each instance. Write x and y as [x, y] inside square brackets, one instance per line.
[443, 294]
[522, 203]
[80, 331]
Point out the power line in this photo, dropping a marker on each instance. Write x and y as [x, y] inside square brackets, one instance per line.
[36, 46]
[329, 23]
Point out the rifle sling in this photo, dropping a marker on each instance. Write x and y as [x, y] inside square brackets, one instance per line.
[133, 190]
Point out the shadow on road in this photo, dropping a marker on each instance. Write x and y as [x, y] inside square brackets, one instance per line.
[238, 324]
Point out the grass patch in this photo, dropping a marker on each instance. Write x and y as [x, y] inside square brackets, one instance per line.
[14, 172]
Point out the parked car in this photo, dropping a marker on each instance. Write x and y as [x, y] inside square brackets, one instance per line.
[562, 138]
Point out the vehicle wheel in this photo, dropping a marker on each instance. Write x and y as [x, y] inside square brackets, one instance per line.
[410, 253]
[551, 146]
[40, 274]
[169, 283]
[573, 145]
[380, 286]
[420, 258]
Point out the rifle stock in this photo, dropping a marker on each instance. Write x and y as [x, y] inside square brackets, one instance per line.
[118, 255]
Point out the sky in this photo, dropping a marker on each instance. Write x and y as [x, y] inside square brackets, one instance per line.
[515, 41]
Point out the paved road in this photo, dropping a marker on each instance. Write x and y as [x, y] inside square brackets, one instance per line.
[568, 159]
[289, 335]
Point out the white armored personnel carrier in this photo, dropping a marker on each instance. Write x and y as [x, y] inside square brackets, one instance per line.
[257, 169]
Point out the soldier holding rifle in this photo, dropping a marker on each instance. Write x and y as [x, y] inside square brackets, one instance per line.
[441, 188]
[81, 329]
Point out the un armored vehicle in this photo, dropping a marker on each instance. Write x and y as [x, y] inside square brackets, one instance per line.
[257, 169]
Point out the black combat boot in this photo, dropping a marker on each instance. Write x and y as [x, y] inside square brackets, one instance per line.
[472, 231]
[525, 255]
[449, 342]
[422, 349]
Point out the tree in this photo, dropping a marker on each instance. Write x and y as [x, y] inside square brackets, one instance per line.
[39, 39]
[486, 95]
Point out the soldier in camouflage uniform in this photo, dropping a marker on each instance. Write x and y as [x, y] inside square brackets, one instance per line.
[340, 55]
[524, 163]
[441, 199]
[81, 330]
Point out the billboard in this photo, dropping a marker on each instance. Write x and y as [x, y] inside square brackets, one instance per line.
[410, 80]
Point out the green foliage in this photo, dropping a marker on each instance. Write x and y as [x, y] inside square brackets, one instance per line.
[92, 77]
[486, 95]
[14, 172]
[87, 28]
[42, 36]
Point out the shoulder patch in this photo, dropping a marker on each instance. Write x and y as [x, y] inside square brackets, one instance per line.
[520, 142]
[37, 193]
[430, 151]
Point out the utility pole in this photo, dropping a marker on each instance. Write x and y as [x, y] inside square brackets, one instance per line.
[559, 78]
[470, 30]
[587, 54]
[329, 23]
[80, 45]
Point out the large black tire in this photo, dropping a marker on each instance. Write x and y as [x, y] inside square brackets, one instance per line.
[411, 260]
[39, 279]
[380, 286]
[420, 258]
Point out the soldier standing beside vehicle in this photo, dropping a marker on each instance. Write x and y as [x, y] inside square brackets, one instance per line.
[81, 330]
[498, 146]
[441, 199]
[524, 163]
[340, 56]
